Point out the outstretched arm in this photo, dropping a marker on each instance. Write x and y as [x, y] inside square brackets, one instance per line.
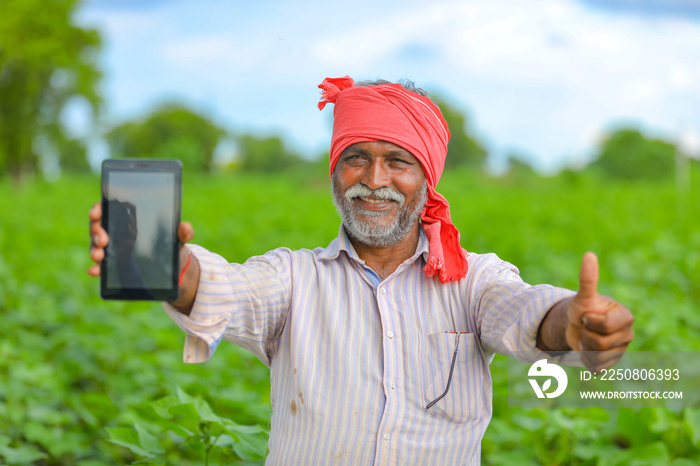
[589, 322]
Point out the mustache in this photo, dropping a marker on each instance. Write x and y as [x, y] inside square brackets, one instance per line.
[360, 190]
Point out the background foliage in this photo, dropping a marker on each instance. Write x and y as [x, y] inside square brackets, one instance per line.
[76, 371]
[171, 131]
[45, 60]
[628, 154]
[88, 382]
[463, 149]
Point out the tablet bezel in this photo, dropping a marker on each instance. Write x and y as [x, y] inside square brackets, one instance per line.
[143, 166]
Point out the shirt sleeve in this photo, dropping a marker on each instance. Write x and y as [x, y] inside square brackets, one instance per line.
[509, 311]
[246, 304]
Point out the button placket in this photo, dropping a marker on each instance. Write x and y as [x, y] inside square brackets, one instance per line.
[391, 353]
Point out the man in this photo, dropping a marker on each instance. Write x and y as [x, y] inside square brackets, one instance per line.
[379, 344]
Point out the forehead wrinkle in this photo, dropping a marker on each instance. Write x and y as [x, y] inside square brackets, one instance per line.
[399, 152]
[390, 153]
[354, 149]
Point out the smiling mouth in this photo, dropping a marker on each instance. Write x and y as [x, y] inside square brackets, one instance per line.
[375, 201]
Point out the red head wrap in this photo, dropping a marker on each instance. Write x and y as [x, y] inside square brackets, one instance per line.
[388, 112]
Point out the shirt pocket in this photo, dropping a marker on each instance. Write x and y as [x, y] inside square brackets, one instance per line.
[468, 396]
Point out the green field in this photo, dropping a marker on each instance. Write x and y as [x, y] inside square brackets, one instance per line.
[73, 366]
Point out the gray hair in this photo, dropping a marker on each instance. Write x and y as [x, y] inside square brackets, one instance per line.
[405, 83]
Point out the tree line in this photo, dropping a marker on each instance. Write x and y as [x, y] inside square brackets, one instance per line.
[46, 60]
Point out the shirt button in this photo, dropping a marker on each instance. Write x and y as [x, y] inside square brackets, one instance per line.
[383, 291]
[390, 335]
[386, 436]
[392, 385]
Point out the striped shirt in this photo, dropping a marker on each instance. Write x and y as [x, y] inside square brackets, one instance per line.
[354, 360]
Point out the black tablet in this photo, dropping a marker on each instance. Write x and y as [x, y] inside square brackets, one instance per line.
[141, 212]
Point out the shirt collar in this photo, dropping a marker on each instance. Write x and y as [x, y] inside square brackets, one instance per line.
[342, 243]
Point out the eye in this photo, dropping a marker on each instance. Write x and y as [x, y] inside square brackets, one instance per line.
[399, 162]
[355, 159]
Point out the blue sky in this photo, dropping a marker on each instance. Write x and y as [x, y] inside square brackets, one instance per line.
[542, 78]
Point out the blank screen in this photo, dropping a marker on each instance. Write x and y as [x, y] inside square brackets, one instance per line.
[140, 227]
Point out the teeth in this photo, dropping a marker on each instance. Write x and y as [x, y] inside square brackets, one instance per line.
[374, 201]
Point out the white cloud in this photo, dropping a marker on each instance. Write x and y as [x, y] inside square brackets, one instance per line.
[545, 77]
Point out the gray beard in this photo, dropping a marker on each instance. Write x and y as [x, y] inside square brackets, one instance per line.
[371, 234]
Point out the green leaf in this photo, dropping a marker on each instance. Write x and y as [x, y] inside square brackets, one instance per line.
[510, 457]
[692, 419]
[562, 421]
[226, 441]
[205, 412]
[683, 462]
[94, 463]
[202, 408]
[658, 420]
[184, 410]
[148, 441]
[67, 442]
[177, 429]
[234, 428]
[251, 447]
[588, 452]
[128, 438]
[22, 455]
[648, 455]
[38, 433]
[183, 396]
[651, 455]
[185, 416]
[528, 422]
[628, 422]
[162, 406]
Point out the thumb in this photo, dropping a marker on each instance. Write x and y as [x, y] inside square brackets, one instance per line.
[588, 278]
[185, 232]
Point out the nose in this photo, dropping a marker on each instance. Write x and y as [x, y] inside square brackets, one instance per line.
[376, 175]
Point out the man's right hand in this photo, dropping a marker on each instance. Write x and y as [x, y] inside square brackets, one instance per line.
[185, 233]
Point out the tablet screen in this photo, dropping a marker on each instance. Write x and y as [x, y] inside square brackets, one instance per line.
[140, 214]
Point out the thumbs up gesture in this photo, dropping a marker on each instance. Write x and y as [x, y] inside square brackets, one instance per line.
[597, 323]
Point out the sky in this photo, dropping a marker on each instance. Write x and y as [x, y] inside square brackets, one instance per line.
[543, 79]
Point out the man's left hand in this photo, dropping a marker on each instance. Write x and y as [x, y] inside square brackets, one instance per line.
[597, 325]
